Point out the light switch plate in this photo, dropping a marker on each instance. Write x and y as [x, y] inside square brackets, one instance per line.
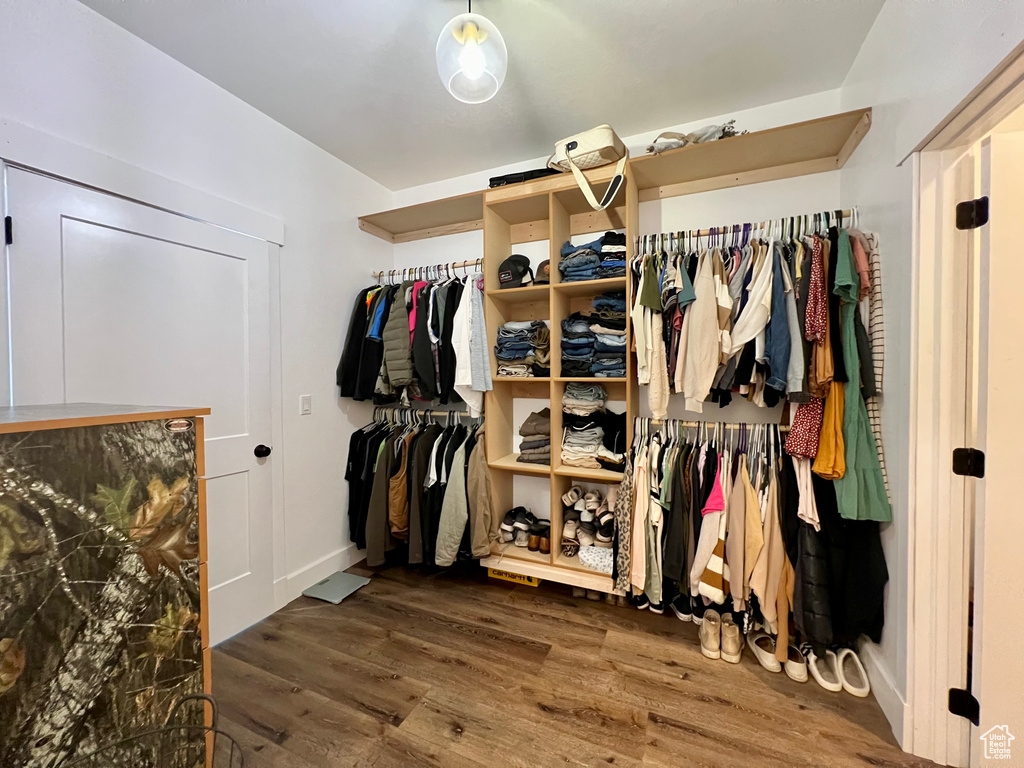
[305, 405]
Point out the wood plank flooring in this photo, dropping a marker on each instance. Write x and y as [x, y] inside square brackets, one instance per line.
[459, 671]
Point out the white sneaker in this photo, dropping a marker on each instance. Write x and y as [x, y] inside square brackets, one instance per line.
[852, 673]
[825, 671]
[796, 665]
[711, 635]
[763, 646]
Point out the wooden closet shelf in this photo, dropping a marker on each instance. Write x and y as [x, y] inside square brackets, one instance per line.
[798, 149]
[591, 287]
[507, 552]
[583, 473]
[510, 463]
[591, 379]
[577, 578]
[526, 293]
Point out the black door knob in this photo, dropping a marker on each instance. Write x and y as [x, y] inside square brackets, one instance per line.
[261, 451]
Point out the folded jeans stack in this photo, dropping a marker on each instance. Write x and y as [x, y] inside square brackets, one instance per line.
[523, 349]
[613, 255]
[579, 265]
[609, 335]
[536, 434]
[577, 345]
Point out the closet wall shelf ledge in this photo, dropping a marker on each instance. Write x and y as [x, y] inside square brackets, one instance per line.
[587, 580]
[591, 379]
[507, 552]
[521, 379]
[584, 473]
[526, 293]
[591, 287]
[798, 149]
[510, 463]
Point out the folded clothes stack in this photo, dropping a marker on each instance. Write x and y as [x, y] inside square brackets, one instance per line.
[524, 349]
[609, 335]
[613, 255]
[587, 522]
[581, 264]
[577, 345]
[580, 399]
[536, 434]
[583, 435]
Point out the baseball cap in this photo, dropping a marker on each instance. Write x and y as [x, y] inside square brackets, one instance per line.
[515, 271]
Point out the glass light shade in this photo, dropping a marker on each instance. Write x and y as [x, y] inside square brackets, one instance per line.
[471, 58]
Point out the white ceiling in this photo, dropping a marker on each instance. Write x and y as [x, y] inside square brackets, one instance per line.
[358, 78]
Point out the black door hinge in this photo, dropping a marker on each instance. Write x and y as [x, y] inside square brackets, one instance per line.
[972, 214]
[8, 230]
[963, 704]
[968, 462]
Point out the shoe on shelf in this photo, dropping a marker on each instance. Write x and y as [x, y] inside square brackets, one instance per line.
[571, 496]
[522, 538]
[587, 515]
[524, 519]
[680, 606]
[605, 534]
[570, 547]
[544, 545]
[852, 673]
[796, 665]
[711, 634]
[604, 515]
[658, 608]
[534, 544]
[592, 500]
[571, 514]
[763, 646]
[569, 529]
[640, 602]
[508, 525]
[586, 534]
[732, 640]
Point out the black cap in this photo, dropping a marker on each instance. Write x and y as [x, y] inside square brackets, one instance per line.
[515, 271]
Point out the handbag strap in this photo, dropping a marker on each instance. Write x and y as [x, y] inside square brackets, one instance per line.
[613, 186]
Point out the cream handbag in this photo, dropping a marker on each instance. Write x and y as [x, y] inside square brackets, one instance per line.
[592, 149]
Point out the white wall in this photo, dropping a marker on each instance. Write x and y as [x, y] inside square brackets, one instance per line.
[917, 63]
[71, 73]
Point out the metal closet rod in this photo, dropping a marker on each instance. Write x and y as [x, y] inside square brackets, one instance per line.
[392, 273]
[845, 213]
[379, 409]
[719, 424]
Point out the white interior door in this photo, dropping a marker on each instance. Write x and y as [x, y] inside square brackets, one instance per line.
[112, 301]
[998, 664]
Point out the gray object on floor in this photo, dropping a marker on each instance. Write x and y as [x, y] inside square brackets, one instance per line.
[336, 587]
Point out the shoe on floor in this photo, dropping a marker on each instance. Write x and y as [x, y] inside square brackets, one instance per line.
[711, 634]
[680, 606]
[571, 496]
[697, 609]
[732, 640]
[640, 602]
[658, 608]
[593, 594]
[824, 670]
[763, 647]
[796, 665]
[852, 673]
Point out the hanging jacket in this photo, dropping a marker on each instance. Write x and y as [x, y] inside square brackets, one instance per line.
[454, 507]
[422, 353]
[484, 514]
[397, 354]
[348, 366]
[372, 354]
[812, 612]
[445, 349]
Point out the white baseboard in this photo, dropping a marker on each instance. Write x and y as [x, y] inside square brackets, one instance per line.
[290, 587]
[885, 691]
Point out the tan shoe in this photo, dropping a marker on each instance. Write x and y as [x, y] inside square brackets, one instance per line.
[711, 635]
[732, 640]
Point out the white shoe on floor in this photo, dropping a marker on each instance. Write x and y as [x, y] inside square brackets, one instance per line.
[710, 634]
[825, 671]
[852, 673]
[763, 646]
[796, 665]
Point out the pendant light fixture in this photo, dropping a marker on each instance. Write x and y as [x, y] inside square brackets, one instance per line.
[471, 58]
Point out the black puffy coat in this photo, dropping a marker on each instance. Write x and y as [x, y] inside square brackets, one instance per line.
[812, 608]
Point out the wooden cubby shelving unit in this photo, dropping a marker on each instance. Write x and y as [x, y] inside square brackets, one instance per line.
[553, 209]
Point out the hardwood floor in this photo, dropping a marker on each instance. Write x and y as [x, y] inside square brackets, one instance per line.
[459, 671]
